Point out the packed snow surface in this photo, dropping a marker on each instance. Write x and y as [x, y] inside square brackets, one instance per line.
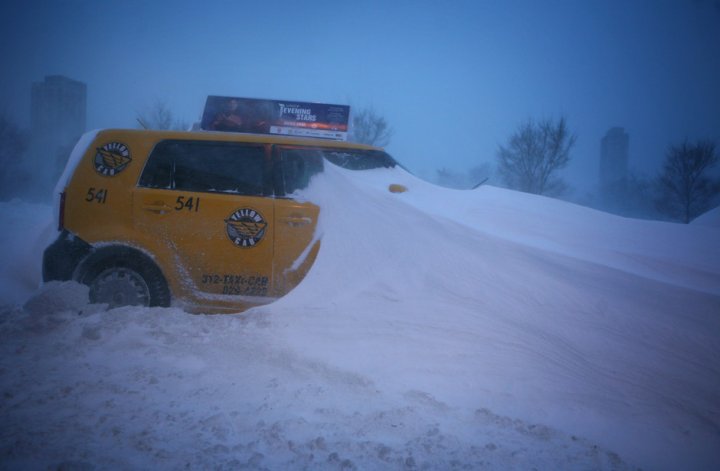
[438, 329]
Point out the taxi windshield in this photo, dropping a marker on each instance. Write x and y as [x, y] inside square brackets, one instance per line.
[357, 159]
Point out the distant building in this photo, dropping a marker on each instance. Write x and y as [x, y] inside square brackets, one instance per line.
[614, 171]
[58, 119]
[614, 158]
[59, 107]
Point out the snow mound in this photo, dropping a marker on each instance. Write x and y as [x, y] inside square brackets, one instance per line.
[438, 329]
[710, 218]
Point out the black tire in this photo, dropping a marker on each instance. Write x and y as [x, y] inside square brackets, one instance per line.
[121, 276]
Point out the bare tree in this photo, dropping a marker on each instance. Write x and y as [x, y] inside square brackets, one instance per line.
[159, 116]
[684, 189]
[370, 128]
[534, 153]
[13, 172]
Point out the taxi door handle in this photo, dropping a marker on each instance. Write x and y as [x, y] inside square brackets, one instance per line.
[297, 221]
[158, 207]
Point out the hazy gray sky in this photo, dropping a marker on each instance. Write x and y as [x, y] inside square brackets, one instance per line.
[453, 78]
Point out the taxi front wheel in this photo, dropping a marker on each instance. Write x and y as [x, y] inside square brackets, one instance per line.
[123, 277]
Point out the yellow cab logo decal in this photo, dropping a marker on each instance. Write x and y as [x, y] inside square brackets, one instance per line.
[245, 227]
[112, 158]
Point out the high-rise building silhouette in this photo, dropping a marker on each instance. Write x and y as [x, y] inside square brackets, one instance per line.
[614, 171]
[58, 119]
[614, 158]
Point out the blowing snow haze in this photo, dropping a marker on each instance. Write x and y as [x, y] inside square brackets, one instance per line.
[439, 328]
[454, 81]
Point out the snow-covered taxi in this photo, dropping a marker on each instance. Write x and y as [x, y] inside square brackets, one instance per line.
[207, 220]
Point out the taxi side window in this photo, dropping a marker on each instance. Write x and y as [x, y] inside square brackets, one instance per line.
[202, 166]
[298, 166]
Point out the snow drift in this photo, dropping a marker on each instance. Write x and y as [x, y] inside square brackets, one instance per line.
[438, 329]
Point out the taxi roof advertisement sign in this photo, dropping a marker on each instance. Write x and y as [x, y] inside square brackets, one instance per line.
[292, 118]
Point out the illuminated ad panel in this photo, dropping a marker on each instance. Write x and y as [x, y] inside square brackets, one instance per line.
[290, 118]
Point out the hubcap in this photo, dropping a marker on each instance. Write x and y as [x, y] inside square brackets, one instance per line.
[119, 286]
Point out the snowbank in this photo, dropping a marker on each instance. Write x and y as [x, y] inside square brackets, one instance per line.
[710, 218]
[28, 229]
[438, 329]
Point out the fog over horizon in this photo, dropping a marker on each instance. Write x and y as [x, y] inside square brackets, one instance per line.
[397, 321]
[454, 81]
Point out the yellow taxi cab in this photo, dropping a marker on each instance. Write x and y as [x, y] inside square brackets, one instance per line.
[208, 221]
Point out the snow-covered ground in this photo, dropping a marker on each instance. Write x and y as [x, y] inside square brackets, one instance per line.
[438, 329]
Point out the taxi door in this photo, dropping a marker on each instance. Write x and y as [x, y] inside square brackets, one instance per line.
[296, 239]
[208, 209]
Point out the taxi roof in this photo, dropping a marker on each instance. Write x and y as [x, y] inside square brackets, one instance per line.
[239, 137]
